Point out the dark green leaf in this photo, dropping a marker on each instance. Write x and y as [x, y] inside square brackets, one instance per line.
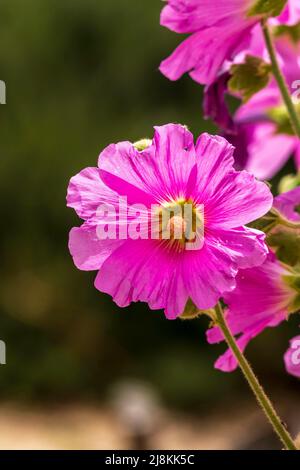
[292, 32]
[250, 77]
[286, 243]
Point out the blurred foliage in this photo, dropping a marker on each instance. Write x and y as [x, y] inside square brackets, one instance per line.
[81, 74]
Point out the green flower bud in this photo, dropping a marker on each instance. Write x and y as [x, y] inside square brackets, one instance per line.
[142, 144]
[289, 182]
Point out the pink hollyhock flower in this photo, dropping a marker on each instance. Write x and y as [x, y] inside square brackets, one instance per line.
[292, 357]
[172, 170]
[260, 129]
[288, 204]
[263, 298]
[218, 30]
[260, 148]
[264, 121]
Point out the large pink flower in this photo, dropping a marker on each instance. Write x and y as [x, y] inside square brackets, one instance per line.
[261, 300]
[171, 171]
[218, 30]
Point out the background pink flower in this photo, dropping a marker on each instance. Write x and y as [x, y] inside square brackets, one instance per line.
[288, 204]
[292, 357]
[260, 300]
[268, 144]
[219, 29]
[260, 129]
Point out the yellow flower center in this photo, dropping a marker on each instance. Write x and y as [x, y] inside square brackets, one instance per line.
[181, 221]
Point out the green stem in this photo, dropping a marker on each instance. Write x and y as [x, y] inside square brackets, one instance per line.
[289, 224]
[280, 79]
[257, 389]
[281, 220]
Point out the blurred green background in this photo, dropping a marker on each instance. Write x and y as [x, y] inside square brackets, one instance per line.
[81, 74]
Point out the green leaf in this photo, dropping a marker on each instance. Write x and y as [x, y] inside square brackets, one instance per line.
[250, 77]
[267, 8]
[292, 32]
[286, 244]
[266, 223]
[281, 118]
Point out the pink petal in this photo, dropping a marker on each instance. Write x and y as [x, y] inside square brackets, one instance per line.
[245, 246]
[119, 166]
[204, 52]
[238, 199]
[268, 151]
[259, 300]
[214, 161]
[86, 192]
[162, 169]
[145, 271]
[88, 251]
[286, 204]
[174, 158]
[208, 273]
[260, 291]
[227, 362]
[191, 15]
[257, 106]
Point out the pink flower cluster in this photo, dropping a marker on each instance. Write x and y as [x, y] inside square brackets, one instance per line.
[222, 34]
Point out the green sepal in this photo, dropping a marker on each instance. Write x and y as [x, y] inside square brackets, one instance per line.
[274, 219]
[267, 8]
[142, 144]
[280, 117]
[293, 281]
[267, 223]
[191, 311]
[250, 77]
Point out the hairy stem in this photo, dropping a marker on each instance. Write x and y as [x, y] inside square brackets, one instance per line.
[253, 382]
[279, 77]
